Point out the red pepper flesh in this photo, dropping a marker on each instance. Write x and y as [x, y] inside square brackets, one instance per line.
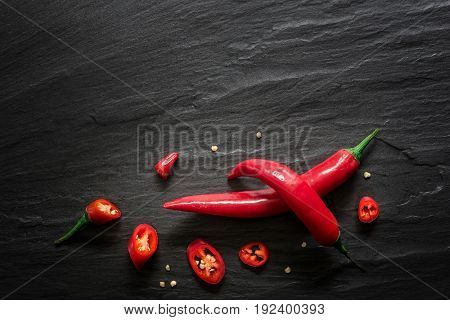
[142, 245]
[100, 211]
[164, 166]
[206, 261]
[368, 210]
[323, 178]
[254, 254]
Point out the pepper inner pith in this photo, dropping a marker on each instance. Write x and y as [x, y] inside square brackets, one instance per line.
[368, 210]
[143, 241]
[206, 261]
[255, 253]
[106, 208]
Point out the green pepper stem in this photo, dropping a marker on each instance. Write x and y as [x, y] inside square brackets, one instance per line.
[81, 222]
[342, 249]
[359, 149]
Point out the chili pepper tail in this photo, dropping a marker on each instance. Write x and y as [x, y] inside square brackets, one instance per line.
[342, 249]
[81, 222]
[358, 150]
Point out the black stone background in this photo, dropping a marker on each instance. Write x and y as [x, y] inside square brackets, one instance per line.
[341, 68]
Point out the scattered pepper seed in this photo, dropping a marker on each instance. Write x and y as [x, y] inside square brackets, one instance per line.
[287, 270]
[303, 244]
[259, 135]
[173, 283]
[367, 175]
[162, 284]
[167, 268]
[214, 148]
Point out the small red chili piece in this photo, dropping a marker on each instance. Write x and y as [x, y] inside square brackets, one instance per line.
[368, 210]
[254, 254]
[99, 211]
[142, 245]
[206, 261]
[164, 166]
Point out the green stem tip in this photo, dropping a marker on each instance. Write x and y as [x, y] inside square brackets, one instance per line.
[81, 222]
[342, 249]
[359, 149]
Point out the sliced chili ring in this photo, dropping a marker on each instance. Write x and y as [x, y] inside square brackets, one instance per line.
[368, 210]
[254, 254]
[142, 245]
[206, 261]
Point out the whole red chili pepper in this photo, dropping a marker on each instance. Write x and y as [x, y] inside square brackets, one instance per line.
[323, 178]
[99, 211]
[294, 190]
[164, 166]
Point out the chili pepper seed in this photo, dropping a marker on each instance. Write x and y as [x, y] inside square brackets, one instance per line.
[259, 135]
[167, 268]
[214, 148]
[287, 270]
[173, 283]
[303, 244]
[367, 175]
[162, 284]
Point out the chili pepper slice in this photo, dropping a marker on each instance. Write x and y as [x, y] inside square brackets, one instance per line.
[100, 211]
[323, 178]
[142, 245]
[206, 261]
[299, 196]
[164, 166]
[368, 210]
[254, 254]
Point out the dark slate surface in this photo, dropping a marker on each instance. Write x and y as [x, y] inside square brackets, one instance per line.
[338, 68]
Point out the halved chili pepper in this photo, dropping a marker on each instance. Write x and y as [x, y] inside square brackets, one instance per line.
[368, 210]
[299, 196]
[206, 261]
[99, 211]
[254, 254]
[323, 178]
[142, 245]
[164, 166]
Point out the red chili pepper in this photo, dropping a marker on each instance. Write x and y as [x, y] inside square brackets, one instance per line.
[299, 196]
[368, 210]
[100, 211]
[142, 245]
[254, 254]
[164, 166]
[323, 178]
[206, 261]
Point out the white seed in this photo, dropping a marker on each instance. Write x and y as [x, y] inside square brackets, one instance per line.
[197, 262]
[259, 135]
[162, 284]
[212, 269]
[367, 175]
[173, 283]
[214, 148]
[287, 270]
[303, 244]
[202, 262]
[167, 268]
[202, 266]
[213, 259]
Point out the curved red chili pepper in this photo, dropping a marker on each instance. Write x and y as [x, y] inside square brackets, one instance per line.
[164, 166]
[99, 211]
[299, 196]
[142, 245]
[323, 178]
